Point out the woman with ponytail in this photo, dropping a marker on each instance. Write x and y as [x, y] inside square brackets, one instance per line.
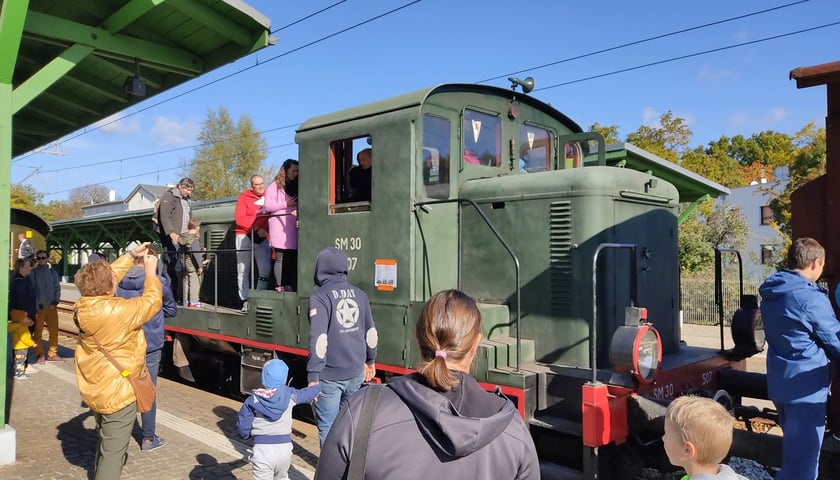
[438, 422]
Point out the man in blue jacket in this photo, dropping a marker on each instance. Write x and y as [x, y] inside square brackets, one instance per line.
[132, 286]
[342, 338]
[803, 336]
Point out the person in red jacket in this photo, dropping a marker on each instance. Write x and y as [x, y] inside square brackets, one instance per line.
[251, 232]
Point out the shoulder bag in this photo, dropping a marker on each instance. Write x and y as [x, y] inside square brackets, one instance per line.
[358, 455]
[144, 389]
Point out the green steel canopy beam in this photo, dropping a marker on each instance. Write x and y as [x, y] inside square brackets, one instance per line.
[121, 46]
[12, 19]
[213, 20]
[129, 13]
[689, 209]
[51, 73]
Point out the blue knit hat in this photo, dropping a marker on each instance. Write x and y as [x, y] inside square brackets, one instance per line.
[274, 373]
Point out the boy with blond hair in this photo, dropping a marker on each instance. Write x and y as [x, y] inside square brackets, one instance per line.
[698, 435]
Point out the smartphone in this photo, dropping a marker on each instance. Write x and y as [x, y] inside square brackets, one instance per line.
[154, 248]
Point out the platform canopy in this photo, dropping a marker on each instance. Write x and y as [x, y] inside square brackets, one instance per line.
[65, 64]
[72, 63]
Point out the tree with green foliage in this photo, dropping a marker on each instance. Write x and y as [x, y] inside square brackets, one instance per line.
[669, 139]
[609, 132]
[713, 164]
[227, 157]
[712, 227]
[808, 163]
[24, 197]
[767, 148]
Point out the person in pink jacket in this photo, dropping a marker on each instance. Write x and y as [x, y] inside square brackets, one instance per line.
[281, 205]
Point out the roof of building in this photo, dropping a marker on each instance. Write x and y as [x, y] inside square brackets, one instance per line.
[690, 185]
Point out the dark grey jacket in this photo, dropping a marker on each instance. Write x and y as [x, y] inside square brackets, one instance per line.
[171, 212]
[420, 433]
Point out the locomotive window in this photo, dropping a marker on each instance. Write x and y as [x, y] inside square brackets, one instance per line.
[351, 179]
[534, 149]
[435, 156]
[482, 138]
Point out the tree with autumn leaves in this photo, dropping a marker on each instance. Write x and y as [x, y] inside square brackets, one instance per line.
[732, 162]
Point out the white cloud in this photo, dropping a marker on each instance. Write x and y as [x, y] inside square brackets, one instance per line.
[715, 74]
[757, 122]
[650, 117]
[116, 124]
[172, 132]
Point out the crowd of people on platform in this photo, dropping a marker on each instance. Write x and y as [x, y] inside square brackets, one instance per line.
[435, 422]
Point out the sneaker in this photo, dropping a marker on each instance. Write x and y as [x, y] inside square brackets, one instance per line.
[152, 444]
[280, 289]
[244, 308]
[21, 376]
[42, 359]
[32, 369]
[193, 304]
[55, 358]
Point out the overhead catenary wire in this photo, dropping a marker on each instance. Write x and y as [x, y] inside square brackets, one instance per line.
[521, 71]
[258, 63]
[85, 131]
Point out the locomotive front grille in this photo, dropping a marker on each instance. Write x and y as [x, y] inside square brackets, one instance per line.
[559, 252]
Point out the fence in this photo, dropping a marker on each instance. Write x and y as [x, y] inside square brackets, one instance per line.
[698, 300]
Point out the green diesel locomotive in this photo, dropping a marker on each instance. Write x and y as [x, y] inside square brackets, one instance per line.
[496, 193]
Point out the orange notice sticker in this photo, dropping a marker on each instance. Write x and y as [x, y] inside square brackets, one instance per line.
[385, 274]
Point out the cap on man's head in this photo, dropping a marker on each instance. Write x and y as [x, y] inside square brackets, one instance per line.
[274, 373]
[96, 257]
[186, 182]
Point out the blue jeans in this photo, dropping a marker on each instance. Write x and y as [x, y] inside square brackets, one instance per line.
[333, 397]
[803, 426]
[147, 419]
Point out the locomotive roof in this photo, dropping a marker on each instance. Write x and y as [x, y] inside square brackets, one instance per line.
[419, 97]
[691, 186]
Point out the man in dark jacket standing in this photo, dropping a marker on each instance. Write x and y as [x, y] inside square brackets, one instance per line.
[173, 215]
[803, 336]
[47, 296]
[342, 338]
[132, 286]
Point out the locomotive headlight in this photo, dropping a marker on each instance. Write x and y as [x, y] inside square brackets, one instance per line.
[636, 350]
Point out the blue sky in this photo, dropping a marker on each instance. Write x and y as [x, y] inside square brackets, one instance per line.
[742, 90]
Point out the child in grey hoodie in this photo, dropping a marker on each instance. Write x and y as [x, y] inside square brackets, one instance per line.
[698, 435]
[267, 417]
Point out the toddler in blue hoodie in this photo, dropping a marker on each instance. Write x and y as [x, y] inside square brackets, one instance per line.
[266, 416]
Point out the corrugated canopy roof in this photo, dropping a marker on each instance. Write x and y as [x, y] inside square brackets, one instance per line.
[691, 186]
[74, 56]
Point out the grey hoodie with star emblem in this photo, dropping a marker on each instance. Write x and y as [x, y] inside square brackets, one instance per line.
[342, 336]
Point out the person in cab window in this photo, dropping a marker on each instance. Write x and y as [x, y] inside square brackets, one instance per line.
[361, 176]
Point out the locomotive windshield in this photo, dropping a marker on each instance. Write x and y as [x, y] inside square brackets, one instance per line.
[534, 149]
[482, 138]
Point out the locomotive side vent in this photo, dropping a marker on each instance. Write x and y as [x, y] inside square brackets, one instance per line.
[216, 238]
[265, 324]
[560, 259]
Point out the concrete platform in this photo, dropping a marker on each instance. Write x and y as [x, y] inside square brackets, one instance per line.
[56, 438]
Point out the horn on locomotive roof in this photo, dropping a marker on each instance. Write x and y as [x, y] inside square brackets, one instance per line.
[527, 84]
